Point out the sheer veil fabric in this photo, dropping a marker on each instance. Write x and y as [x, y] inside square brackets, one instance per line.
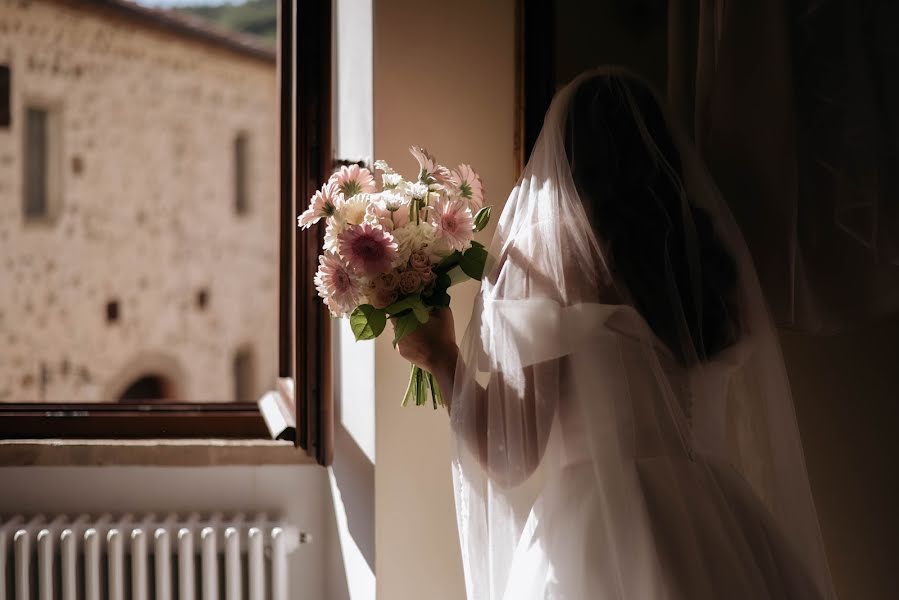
[621, 436]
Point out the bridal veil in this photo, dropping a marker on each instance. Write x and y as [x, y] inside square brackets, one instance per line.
[605, 352]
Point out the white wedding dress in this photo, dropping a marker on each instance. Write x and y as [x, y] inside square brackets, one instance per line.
[592, 460]
[687, 504]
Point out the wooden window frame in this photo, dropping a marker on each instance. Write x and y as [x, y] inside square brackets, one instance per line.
[304, 344]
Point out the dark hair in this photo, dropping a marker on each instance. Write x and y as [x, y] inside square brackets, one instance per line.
[632, 194]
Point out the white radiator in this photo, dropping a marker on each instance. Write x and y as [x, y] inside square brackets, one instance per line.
[144, 558]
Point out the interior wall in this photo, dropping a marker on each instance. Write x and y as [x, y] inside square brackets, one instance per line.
[445, 83]
[297, 493]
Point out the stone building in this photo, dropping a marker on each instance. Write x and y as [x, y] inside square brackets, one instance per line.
[138, 206]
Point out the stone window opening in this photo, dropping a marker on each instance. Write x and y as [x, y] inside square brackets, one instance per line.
[202, 298]
[5, 96]
[244, 373]
[241, 174]
[112, 312]
[41, 173]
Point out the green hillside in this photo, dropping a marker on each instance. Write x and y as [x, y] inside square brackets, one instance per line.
[255, 17]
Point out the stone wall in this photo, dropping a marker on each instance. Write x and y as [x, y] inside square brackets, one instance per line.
[146, 217]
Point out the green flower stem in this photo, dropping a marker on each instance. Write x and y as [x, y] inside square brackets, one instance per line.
[409, 388]
[420, 383]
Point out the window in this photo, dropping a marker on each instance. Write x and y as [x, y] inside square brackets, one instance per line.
[244, 372]
[40, 159]
[121, 316]
[5, 96]
[241, 199]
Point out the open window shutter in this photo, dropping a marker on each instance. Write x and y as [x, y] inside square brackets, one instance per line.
[306, 87]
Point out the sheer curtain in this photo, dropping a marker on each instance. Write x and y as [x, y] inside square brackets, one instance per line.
[797, 117]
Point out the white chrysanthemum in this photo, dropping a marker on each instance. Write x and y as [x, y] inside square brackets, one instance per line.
[389, 210]
[419, 238]
[381, 165]
[352, 210]
[332, 232]
[391, 180]
[418, 190]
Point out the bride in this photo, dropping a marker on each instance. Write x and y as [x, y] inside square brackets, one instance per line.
[624, 421]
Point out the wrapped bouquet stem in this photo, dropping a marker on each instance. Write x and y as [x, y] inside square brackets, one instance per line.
[393, 251]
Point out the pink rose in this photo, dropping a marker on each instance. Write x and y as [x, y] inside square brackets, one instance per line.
[427, 276]
[381, 297]
[410, 281]
[388, 281]
[420, 261]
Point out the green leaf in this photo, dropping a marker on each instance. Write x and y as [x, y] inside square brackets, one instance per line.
[367, 322]
[403, 304]
[421, 312]
[449, 262]
[473, 262]
[458, 276]
[403, 326]
[443, 282]
[439, 297]
[482, 218]
[413, 303]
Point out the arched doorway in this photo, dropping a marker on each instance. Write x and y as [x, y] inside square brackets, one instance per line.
[151, 387]
[148, 377]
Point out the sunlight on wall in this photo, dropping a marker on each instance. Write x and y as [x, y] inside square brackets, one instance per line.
[446, 84]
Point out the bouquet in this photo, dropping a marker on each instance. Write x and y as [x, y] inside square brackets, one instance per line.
[392, 253]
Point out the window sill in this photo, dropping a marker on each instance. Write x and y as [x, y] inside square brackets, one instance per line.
[168, 453]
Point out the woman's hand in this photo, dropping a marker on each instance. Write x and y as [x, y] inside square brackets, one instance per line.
[432, 346]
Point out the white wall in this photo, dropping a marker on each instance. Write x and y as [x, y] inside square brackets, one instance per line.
[443, 79]
[298, 493]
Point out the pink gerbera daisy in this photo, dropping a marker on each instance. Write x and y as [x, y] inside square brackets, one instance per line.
[352, 180]
[453, 223]
[368, 249]
[337, 284]
[470, 187]
[323, 204]
[428, 169]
